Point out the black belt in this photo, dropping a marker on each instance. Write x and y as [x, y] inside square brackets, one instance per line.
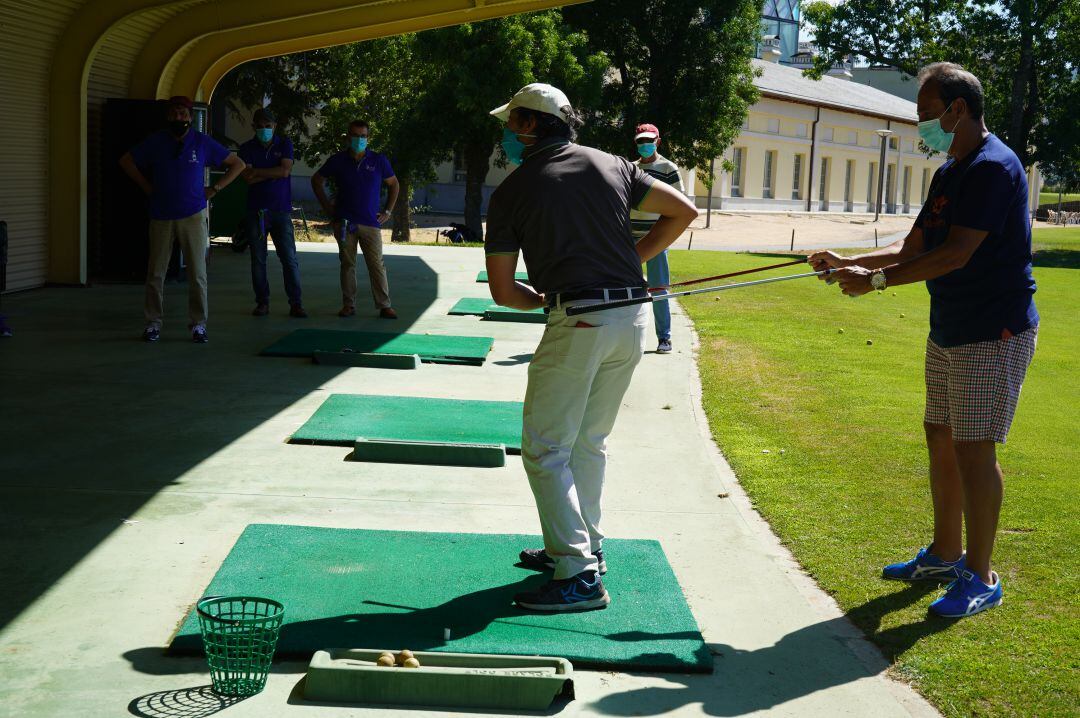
[601, 294]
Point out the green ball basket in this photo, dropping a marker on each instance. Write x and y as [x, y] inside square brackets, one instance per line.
[239, 635]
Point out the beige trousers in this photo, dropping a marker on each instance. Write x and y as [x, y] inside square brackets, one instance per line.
[577, 379]
[370, 243]
[193, 235]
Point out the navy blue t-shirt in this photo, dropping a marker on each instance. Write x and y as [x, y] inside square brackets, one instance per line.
[271, 194]
[990, 297]
[175, 168]
[357, 185]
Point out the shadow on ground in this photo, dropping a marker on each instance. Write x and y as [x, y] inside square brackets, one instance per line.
[95, 422]
[1059, 258]
[198, 702]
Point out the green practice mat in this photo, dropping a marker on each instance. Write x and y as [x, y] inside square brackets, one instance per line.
[354, 588]
[485, 307]
[343, 418]
[519, 276]
[436, 348]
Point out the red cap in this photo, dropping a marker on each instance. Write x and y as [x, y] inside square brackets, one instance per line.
[181, 101]
[646, 130]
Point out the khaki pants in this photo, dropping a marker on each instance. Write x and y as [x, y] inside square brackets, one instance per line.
[577, 379]
[370, 241]
[193, 236]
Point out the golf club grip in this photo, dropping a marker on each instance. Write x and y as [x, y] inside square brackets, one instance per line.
[586, 308]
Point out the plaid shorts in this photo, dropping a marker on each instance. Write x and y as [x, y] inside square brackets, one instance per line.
[973, 388]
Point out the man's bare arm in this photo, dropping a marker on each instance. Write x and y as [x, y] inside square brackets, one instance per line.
[127, 163]
[504, 289]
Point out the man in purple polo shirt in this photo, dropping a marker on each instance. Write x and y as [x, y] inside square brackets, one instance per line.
[169, 167]
[359, 174]
[269, 160]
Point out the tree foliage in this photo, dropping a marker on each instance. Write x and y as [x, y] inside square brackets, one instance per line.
[683, 65]
[1014, 47]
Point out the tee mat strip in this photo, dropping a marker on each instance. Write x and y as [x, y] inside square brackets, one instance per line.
[433, 348]
[345, 587]
[343, 418]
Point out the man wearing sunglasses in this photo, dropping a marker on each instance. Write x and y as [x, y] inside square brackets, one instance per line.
[169, 167]
[647, 138]
[269, 159]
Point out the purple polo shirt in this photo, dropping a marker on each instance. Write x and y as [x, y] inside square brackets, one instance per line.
[176, 171]
[274, 195]
[357, 185]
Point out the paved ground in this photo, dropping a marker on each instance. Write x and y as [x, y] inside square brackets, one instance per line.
[128, 470]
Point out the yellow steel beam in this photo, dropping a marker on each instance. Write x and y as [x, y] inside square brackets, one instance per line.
[67, 131]
[209, 59]
[169, 42]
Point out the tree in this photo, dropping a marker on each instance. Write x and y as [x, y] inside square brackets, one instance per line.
[682, 65]
[1013, 47]
[487, 62]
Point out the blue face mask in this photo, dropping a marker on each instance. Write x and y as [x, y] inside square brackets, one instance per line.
[512, 146]
[265, 134]
[647, 150]
[358, 144]
[933, 136]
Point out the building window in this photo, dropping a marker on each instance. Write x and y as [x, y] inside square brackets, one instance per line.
[849, 190]
[890, 188]
[796, 178]
[871, 181]
[459, 166]
[774, 126]
[767, 185]
[925, 183]
[907, 188]
[800, 129]
[746, 122]
[852, 137]
[893, 143]
[823, 186]
[738, 155]
[827, 134]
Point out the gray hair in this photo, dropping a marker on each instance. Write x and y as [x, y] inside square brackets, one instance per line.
[954, 82]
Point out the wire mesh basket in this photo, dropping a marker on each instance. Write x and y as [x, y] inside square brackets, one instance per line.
[239, 636]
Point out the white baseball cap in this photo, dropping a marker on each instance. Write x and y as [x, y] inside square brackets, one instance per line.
[539, 97]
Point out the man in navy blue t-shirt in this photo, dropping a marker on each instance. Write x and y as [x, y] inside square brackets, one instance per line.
[169, 166]
[971, 244]
[358, 174]
[269, 159]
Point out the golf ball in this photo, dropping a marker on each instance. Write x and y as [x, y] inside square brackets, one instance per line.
[411, 663]
[405, 655]
[869, 342]
[841, 331]
[385, 661]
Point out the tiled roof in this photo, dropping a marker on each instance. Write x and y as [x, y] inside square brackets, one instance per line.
[788, 82]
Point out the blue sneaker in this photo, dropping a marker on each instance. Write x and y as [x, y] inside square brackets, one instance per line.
[967, 596]
[924, 567]
[538, 558]
[583, 592]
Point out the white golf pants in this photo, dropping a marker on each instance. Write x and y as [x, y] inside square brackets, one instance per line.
[577, 379]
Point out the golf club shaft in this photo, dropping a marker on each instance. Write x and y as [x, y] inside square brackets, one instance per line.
[586, 308]
[729, 274]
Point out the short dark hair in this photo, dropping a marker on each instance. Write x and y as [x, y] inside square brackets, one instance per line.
[551, 126]
[263, 115]
[360, 123]
[953, 82]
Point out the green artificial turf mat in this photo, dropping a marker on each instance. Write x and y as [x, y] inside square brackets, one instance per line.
[488, 309]
[343, 418]
[355, 588]
[519, 276]
[438, 348]
[373, 361]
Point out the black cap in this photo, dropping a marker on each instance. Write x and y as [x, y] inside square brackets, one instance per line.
[263, 115]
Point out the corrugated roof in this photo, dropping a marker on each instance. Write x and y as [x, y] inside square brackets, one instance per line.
[788, 83]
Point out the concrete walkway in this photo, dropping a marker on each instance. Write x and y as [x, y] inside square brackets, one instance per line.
[128, 470]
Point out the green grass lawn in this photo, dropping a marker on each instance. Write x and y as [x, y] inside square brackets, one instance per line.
[850, 494]
[1052, 198]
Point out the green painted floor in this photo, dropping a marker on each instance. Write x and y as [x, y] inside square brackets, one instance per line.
[353, 588]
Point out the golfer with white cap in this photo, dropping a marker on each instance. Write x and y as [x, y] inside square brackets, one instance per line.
[566, 209]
